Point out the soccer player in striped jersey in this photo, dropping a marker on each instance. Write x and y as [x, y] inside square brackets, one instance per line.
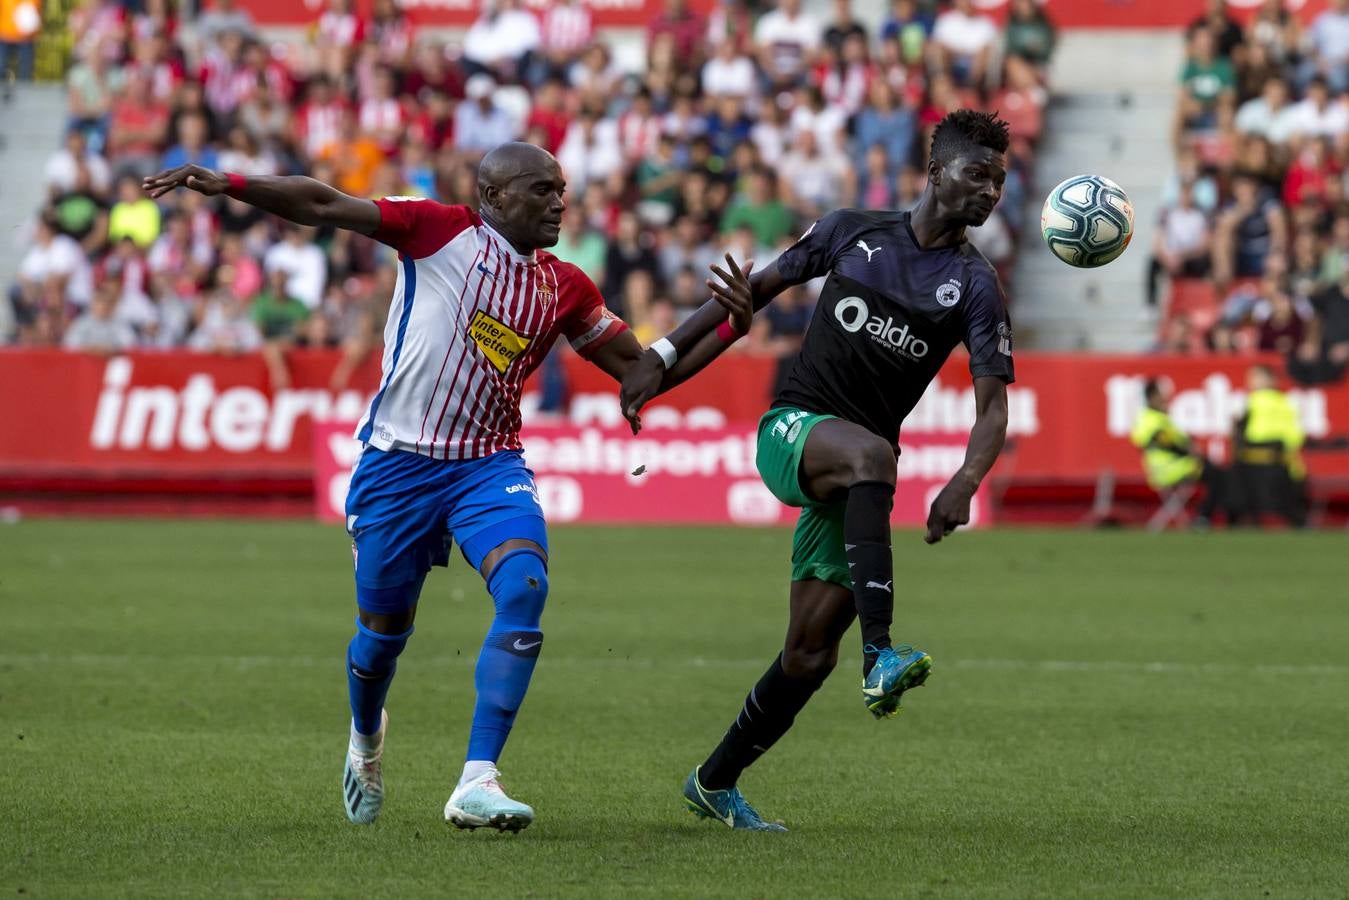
[477, 306]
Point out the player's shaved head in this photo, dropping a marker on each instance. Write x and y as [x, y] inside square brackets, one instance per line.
[509, 161]
[520, 189]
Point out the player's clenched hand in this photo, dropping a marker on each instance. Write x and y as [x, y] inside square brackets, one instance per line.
[735, 293]
[949, 511]
[640, 384]
[195, 178]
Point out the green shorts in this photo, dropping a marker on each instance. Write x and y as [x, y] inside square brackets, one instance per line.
[817, 546]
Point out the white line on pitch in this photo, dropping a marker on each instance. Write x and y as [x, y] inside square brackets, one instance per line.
[694, 662]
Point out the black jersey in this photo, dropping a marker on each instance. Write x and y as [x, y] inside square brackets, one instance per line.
[889, 315]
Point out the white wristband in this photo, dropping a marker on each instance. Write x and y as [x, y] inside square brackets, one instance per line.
[666, 351]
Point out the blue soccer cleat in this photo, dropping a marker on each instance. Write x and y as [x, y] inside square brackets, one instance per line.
[727, 806]
[896, 670]
[363, 780]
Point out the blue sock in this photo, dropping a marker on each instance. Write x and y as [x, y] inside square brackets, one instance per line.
[371, 660]
[519, 587]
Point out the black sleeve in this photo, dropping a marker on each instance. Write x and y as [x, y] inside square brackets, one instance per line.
[814, 252]
[988, 331]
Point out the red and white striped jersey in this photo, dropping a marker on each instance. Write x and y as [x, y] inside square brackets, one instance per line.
[567, 28]
[469, 320]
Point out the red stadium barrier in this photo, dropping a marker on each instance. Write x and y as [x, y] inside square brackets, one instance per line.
[1069, 414]
[173, 425]
[685, 476]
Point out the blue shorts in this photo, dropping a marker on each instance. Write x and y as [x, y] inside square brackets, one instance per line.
[404, 509]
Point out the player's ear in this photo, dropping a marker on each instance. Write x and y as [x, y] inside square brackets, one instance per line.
[934, 171]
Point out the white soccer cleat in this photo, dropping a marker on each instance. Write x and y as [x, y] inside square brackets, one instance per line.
[362, 780]
[482, 802]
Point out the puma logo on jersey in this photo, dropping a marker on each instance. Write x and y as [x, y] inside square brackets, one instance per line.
[885, 587]
[867, 250]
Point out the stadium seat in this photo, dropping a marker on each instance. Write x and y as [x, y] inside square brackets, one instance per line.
[1189, 296]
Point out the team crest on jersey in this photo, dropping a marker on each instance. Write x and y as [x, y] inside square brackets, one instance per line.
[949, 294]
[545, 293]
[498, 342]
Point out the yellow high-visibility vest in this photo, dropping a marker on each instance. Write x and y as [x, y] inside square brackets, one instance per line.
[1170, 463]
[1271, 419]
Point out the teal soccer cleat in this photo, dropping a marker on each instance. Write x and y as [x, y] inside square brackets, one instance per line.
[363, 778]
[483, 803]
[727, 806]
[896, 670]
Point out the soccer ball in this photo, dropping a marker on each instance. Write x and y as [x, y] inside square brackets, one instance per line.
[1087, 221]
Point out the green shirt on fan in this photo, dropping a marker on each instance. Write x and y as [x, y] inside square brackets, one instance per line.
[1207, 81]
[278, 316]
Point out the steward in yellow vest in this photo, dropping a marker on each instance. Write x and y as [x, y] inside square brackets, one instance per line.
[1170, 458]
[1268, 451]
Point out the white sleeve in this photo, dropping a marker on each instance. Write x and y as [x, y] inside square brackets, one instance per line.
[32, 266]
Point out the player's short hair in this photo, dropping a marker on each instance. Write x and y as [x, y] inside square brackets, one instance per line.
[1152, 389]
[963, 130]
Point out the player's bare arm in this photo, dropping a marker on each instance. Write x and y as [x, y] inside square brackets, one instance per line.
[617, 357]
[296, 198]
[951, 509]
[739, 293]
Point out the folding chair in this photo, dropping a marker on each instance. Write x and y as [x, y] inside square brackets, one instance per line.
[1173, 508]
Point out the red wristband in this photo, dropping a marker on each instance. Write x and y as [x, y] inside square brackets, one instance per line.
[237, 184]
[726, 331]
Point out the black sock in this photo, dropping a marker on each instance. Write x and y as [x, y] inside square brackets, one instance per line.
[770, 708]
[866, 538]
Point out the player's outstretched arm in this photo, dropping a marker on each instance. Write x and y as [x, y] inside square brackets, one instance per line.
[703, 336]
[951, 509]
[617, 357]
[296, 198]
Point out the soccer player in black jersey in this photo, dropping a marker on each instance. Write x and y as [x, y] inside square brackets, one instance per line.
[902, 289]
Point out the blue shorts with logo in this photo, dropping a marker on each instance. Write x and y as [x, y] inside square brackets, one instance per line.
[404, 510]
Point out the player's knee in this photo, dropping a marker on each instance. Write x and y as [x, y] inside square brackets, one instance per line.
[519, 587]
[809, 664]
[872, 460]
[373, 653]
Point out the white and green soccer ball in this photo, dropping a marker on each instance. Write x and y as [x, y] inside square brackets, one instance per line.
[1087, 221]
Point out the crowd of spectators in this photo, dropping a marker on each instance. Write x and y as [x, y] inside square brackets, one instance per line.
[740, 129]
[1254, 232]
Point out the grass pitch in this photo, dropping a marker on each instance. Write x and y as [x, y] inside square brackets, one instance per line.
[1110, 714]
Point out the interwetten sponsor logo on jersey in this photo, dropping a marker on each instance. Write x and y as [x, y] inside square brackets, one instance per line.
[854, 315]
[499, 344]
